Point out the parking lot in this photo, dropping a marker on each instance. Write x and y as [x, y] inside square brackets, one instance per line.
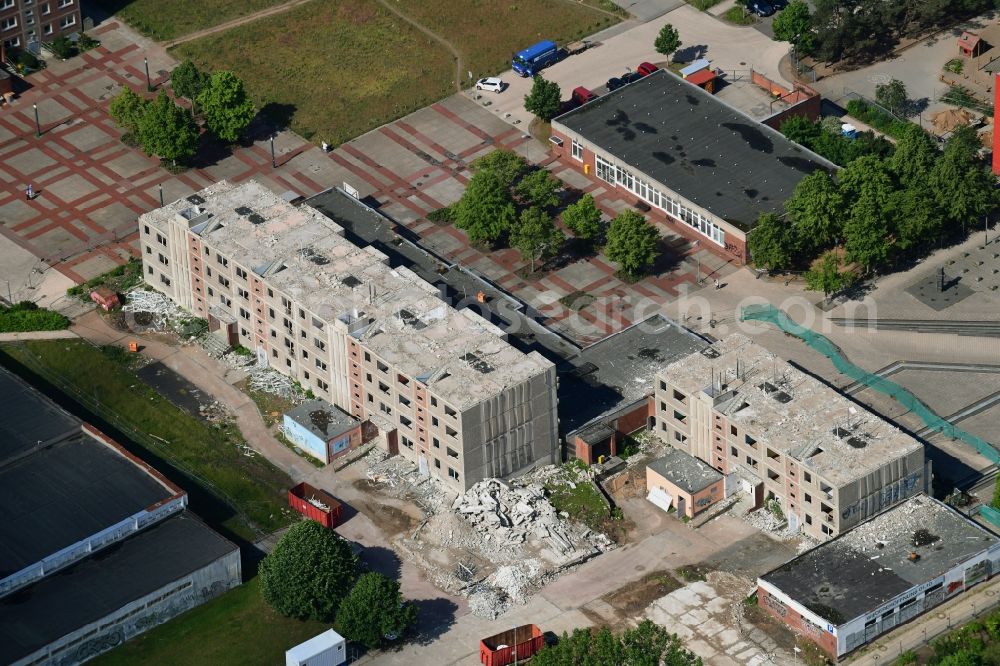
[727, 46]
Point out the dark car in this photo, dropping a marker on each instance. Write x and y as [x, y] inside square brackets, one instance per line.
[630, 77]
[761, 8]
[614, 83]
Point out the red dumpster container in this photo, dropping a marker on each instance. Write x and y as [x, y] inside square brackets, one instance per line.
[499, 650]
[315, 504]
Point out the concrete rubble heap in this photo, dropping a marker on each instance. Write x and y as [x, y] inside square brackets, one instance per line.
[507, 515]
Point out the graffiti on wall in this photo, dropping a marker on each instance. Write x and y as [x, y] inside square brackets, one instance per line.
[887, 496]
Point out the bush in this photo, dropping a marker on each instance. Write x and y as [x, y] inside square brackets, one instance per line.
[877, 118]
[62, 48]
[373, 613]
[738, 15]
[27, 60]
[445, 214]
[27, 316]
[86, 42]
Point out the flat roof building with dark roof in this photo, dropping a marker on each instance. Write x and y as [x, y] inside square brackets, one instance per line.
[76, 503]
[709, 169]
[886, 571]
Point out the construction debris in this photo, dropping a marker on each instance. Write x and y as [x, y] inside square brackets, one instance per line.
[273, 382]
[159, 309]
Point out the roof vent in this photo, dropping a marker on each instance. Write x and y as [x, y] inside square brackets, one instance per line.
[350, 281]
[256, 218]
[196, 199]
[243, 210]
[477, 363]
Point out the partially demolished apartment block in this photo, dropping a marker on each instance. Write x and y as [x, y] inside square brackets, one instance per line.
[443, 386]
[785, 435]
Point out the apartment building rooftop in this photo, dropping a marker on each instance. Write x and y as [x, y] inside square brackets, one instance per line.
[303, 254]
[909, 545]
[790, 411]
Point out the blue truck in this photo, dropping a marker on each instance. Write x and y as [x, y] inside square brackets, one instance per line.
[535, 58]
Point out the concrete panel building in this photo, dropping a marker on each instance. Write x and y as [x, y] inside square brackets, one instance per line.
[25, 22]
[95, 545]
[701, 166]
[787, 436]
[886, 571]
[443, 386]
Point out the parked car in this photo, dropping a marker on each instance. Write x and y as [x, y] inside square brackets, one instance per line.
[492, 83]
[761, 8]
[646, 68]
[582, 95]
[614, 83]
[630, 77]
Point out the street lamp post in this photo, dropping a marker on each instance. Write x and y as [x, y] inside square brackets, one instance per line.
[274, 164]
[38, 125]
[149, 85]
[161, 195]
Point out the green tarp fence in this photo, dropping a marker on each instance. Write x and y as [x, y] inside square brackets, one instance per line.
[772, 315]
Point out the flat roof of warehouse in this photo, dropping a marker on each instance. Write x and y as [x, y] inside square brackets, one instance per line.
[30, 419]
[88, 591]
[697, 145]
[871, 564]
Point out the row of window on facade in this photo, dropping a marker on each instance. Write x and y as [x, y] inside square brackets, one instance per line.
[452, 473]
[613, 174]
[11, 22]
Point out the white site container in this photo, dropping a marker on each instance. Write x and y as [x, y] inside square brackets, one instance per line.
[327, 649]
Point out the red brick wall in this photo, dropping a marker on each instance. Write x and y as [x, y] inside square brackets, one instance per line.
[794, 621]
[810, 108]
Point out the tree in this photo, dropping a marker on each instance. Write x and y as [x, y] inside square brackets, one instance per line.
[633, 243]
[963, 187]
[914, 156]
[892, 95]
[506, 164]
[772, 242]
[668, 41]
[485, 210]
[309, 572]
[816, 210]
[536, 236]
[583, 218]
[544, 99]
[794, 24]
[826, 274]
[187, 80]
[646, 645]
[539, 188]
[167, 130]
[127, 110]
[227, 109]
[801, 130]
[867, 188]
[373, 613]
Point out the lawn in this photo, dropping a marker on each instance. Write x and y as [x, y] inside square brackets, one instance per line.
[243, 495]
[487, 32]
[580, 500]
[164, 20]
[237, 628]
[337, 67]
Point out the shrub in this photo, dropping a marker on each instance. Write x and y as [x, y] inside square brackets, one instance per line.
[27, 316]
[877, 118]
[25, 59]
[62, 47]
[86, 42]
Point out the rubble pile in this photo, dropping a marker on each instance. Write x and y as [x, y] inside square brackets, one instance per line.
[488, 602]
[506, 515]
[236, 361]
[273, 382]
[160, 309]
[402, 479]
[517, 580]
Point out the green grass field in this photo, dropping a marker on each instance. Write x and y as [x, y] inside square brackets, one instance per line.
[487, 32]
[168, 19]
[341, 67]
[243, 495]
[237, 628]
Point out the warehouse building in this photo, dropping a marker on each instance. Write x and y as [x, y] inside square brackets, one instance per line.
[95, 545]
[886, 571]
[695, 163]
[443, 386]
[782, 434]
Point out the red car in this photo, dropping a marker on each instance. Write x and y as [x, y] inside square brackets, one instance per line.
[646, 68]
